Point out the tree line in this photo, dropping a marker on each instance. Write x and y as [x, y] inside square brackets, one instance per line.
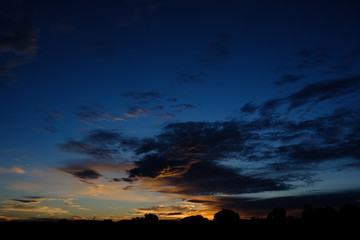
[347, 213]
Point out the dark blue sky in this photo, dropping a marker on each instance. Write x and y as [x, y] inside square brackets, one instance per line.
[116, 108]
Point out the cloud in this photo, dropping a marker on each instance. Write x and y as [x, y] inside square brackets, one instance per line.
[248, 206]
[104, 50]
[288, 78]
[217, 50]
[217, 163]
[249, 107]
[31, 204]
[16, 170]
[36, 204]
[18, 39]
[49, 118]
[220, 47]
[184, 106]
[142, 108]
[135, 112]
[324, 90]
[184, 158]
[100, 145]
[169, 211]
[311, 58]
[82, 173]
[320, 60]
[265, 153]
[65, 27]
[192, 78]
[165, 115]
[145, 96]
[314, 93]
[94, 113]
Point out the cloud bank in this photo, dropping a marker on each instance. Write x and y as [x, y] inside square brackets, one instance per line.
[218, 162]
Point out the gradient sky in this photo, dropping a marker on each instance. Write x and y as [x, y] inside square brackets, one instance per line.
[113, 109]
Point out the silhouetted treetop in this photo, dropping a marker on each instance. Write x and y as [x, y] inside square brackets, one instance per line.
[277, 214]
[226, 216]
[149, 217]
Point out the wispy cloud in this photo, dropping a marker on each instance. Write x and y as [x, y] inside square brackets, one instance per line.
[192, 78]
[49, 119]
[220, 47]
[217, 50]
[135, 112]
[288, 78]
[18, 38]
[144, 96]
[31, 205]
[16, 170]
[93, 114]
[38, 204]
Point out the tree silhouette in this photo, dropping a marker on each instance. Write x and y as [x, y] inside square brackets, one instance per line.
[350, 213]
[151, 218]
[277, 214]
[226, 216]
[326, 214]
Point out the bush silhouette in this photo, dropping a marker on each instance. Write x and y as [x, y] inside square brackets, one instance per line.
[226, 216]
[198, 219]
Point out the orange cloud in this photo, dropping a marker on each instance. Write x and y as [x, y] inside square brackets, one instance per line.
[16, 170]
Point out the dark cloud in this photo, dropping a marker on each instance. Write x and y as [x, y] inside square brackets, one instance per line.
[267, 152]
[164, 115]
[220, 47]
[25, 201]
[184, 156]
[217, 50]
[249, 107]
[93, 114]
[158, 111]
[314, 93]
[179, 108]
[305, 58]
[190, 158]
[324, 90]
[171, 99]
[288, 78]
[100, 145]
[49, 119]
[146, 96]
[66, 27]
[141, 107]
[192, 78]
[81, 173]
[184, 106]
[321, 60]
[104, 50]
[18, 39]
[258, 207]
[137, 111]
[270, 106]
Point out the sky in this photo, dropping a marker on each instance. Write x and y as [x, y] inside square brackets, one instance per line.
[113, 109]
